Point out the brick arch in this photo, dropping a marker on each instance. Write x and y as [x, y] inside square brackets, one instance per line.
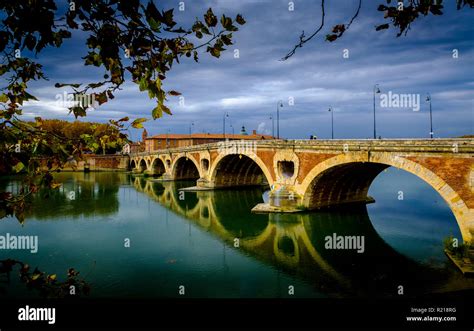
[184, 158]
[364, 172]
[157, 166]
[142, 165]
[217, 162]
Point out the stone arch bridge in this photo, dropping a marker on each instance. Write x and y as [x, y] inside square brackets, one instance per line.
[318, 174]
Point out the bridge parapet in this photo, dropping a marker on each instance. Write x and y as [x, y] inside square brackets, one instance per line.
[440, 145]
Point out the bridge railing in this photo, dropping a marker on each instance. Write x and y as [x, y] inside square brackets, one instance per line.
[443, 145]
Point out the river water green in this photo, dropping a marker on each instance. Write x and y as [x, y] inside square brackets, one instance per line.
[131, 237]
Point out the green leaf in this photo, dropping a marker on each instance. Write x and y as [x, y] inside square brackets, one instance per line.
[101, 98]
[168, 18]
[166, 110]
[154, 25]
[30, 97]
[55, 185]
[210, 18]
[77, 111]
[227, 39]
[58, 85]
[156, 112]
[138, 123]
[331, 37]
[225, 21]
[19, 167]
[205, 30]
[3, 69]
[381, 27]
[143, 84]
[3, 98]
[30, 42]
[160, 96]
[239, 19]
[214, 51]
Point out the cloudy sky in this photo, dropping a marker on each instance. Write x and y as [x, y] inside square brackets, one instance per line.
[315, 78]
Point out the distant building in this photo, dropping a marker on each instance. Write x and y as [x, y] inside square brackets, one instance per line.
[136, 147]
[163, 141]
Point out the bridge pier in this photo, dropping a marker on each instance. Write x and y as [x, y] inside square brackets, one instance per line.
[204, 183]
[155, 173]
[136, 170]
[282, 199]
[149, 173]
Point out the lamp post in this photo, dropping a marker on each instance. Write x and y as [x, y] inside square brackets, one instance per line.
[223, 124]
[332, 122]
[279, 104]
[376, 90]
[191, 128]
[428, 99]
[167, 141]
[273, 126]
[232, 127]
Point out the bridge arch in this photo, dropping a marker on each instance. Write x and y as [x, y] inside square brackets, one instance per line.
[239, 170]
[142, 166]
[133, 164]
[158, 166]
[185, 167]
[346, 178]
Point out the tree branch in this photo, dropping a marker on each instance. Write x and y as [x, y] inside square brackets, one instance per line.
[302, 37]
[355, 15]
[342, 29]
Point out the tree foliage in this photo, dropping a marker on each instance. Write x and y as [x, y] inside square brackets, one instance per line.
[124, 38]
[46, 285]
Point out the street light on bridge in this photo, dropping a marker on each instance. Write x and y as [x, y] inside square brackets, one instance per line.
[376, 90]
[279, 105]
[428, 99]
[332, 121]
[191, 128]
[273, 126]
[223, 123]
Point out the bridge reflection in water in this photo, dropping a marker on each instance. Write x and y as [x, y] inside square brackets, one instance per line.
[295, 243]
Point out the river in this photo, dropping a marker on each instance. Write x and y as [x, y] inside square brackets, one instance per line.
[134, 238]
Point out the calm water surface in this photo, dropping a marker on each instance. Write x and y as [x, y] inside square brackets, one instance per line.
[188, 239]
